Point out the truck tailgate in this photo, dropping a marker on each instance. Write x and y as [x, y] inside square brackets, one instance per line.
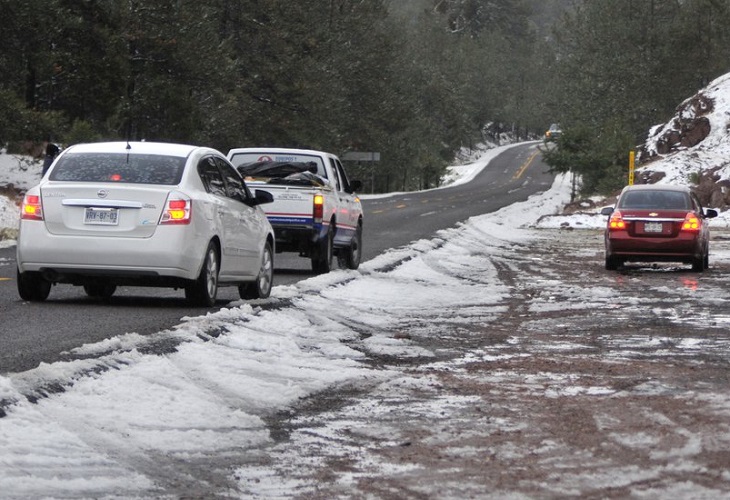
[292, 205]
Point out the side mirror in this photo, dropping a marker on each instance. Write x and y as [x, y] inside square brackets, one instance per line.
[260, 198]
[355, 186]
[606, 210]
[711, 213]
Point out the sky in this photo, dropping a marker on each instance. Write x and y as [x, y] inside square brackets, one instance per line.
[126, 400]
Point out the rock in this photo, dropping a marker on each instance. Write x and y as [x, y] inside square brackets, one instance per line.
[688, 128]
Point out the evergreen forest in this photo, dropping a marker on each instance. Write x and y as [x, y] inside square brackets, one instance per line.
[414, 80]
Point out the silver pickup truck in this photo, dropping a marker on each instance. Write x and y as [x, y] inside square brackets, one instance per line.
[315, 211]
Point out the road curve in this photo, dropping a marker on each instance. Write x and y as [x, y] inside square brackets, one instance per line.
[397, 220]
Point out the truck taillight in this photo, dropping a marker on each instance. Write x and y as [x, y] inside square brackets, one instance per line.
[31, 208]
[691, 223]
[178, 210]
[616, 222]
[318, 211]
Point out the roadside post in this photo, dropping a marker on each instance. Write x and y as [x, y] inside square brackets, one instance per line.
[360, 156]
[632, 166]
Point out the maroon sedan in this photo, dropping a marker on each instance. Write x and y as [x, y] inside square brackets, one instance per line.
[658, 223]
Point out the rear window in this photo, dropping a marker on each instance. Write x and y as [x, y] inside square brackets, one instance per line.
[257, 163]
[119, 167]
[667, 200]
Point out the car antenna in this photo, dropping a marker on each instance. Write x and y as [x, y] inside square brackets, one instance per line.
[129, 146]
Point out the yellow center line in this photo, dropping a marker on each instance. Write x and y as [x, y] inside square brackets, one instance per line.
[5, 279]
[524, 166]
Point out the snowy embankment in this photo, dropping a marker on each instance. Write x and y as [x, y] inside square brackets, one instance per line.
[96, 424]
[16, 172]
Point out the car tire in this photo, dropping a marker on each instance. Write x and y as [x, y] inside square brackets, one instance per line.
[100, 290]
[203, 291]
[698, 264]
[350, 257]
[261, 288]
[322, 258]
[612, 263]
[33, 286]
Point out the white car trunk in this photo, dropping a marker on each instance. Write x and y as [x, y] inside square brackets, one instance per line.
[129, 210]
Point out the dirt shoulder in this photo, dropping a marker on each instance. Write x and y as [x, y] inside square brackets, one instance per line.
[591, 384]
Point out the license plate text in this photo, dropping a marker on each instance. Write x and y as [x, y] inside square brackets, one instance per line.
[101, 216]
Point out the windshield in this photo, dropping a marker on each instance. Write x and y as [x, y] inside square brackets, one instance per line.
[119, 167]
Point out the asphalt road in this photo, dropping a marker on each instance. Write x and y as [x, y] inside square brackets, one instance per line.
[32, 333]
[398, 220]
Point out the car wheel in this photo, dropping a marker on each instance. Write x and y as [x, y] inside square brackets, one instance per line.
[612, 263]
[100, 290]
[33, 286]
[350, 257]
[698, 264]
[204, 290]
[322, 258]
[261, 288]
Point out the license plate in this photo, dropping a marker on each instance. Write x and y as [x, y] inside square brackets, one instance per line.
[653, 227]
[101, 216]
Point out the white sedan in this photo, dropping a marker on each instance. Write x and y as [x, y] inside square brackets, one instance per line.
[144, 214]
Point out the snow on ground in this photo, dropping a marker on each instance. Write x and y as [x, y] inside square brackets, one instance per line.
[247, 360]
[94, 427]
[22, 173]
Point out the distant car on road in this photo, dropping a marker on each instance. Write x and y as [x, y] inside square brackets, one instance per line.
[657, 223]
[144, 214]
[553, 132]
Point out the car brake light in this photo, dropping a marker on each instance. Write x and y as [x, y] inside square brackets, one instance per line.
[318, 208]
[31, 208]
[178, 210]
[691, 223]
[616, 222]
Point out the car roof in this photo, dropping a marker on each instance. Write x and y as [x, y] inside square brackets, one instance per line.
[156, 148]
[656, 187]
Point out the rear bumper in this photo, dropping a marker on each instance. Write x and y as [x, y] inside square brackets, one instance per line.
[684, 247]
[301, 239]
[167, 255]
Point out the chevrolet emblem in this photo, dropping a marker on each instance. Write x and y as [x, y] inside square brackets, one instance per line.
[653, 214]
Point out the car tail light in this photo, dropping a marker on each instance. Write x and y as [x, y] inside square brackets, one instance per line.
[318, 211]
[31, 208]
[178, 210]
[616, 222]
[691, 223]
